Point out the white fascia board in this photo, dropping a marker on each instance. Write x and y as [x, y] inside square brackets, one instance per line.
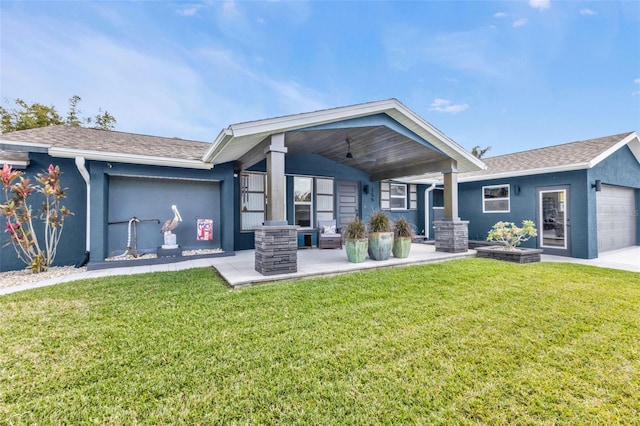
[631, 140]
[297, 121]
[292, 122]
[444, 139]
[223, 139]
[42, 147]
[127, 158]
[528, 172]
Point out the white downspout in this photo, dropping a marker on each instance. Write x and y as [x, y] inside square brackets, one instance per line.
[426, 209]
[85, 175]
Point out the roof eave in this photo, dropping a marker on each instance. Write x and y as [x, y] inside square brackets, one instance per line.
[527, 172]
[631, 139]
[127, 158]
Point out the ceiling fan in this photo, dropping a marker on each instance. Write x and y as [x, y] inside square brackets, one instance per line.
[350, 156]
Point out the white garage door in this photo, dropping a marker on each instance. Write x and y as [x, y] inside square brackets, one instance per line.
[616, 218]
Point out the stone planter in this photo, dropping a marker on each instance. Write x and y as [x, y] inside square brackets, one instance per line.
[401, 247]
[519, 255]
[380, 245]
[356, 250]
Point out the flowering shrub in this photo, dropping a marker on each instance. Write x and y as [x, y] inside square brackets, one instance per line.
[511, 235]
[20, 217]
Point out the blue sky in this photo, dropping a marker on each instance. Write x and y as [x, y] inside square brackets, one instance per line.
[511, 75]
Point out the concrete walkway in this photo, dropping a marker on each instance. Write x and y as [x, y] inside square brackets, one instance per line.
[238, 271]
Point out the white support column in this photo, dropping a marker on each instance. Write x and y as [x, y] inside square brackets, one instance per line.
[451, 194]
[276, 214]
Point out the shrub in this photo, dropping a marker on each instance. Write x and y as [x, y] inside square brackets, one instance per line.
[511, 235]
[402, 229]
[355, 230]
[380, 222]
[20, 216]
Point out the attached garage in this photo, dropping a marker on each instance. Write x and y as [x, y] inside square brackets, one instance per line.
[617, 218]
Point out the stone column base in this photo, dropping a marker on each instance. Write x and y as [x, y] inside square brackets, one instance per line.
[452, 236]
[276, 249]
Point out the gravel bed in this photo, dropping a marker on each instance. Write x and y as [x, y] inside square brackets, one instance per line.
[25, 276]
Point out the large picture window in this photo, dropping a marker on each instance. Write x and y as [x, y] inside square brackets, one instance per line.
[495, 199]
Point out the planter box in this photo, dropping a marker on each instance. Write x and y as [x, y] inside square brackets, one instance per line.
[519, 255]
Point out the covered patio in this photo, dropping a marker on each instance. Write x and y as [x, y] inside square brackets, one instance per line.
[384, 140]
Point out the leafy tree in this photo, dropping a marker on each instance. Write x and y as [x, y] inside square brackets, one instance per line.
[24, 116]
[479, 153]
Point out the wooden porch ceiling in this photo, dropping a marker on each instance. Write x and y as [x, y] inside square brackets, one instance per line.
[377, 150]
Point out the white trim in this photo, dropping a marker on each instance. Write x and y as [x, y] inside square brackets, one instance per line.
[516, 173]
[616, 147]
[256, 131]
[117, 157]
[25, 144]
[564, 219]
[508, 198]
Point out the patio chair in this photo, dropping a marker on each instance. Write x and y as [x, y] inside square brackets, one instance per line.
[328, 235]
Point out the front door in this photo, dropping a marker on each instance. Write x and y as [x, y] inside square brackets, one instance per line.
[348, 202]
[554, 223]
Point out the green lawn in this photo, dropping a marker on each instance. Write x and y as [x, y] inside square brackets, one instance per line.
[463, 342]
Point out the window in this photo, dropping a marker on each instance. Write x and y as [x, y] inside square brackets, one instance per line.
[302, 201]
[495, 199]
[324, 198]
[252, 200]
[398, 196]
[312, 199]
[393, 196]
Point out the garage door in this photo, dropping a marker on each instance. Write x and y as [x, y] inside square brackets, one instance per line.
[616, 218]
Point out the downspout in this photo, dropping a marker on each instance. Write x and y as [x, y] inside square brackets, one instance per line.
[87, 179]
[426, 209]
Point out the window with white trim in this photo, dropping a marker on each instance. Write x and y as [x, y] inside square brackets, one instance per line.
[324, 198]
[398, 196]
[496, 199]
[303, 201]
[252, 200]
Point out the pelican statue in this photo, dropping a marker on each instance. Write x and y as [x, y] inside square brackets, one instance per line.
[171, 224]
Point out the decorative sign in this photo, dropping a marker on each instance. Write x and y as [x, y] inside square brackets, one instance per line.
[205, 229]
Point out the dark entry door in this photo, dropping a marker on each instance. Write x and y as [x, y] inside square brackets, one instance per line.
[348, 202]
[554, 220]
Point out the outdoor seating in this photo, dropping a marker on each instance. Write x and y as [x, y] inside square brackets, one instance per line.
[328, 235]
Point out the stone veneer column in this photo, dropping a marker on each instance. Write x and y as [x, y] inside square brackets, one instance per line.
[276, 249]
[452, 236]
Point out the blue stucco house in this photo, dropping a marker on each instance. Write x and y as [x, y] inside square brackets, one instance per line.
[583, 196]
[339, 163]
[289, 171]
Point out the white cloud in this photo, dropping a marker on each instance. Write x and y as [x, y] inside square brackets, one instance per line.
[636, 92]
[637, 81]
[443, 105]
[540, 4]
[184, 93]
[500, 15]
[520, 23]
[188, 11]
[587, 12]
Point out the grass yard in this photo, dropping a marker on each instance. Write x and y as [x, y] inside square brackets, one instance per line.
[463, 342]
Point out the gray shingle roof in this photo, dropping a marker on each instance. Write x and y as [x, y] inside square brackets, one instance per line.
[81, 138]
[567, 154]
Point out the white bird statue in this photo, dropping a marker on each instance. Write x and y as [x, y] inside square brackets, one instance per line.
[171, 224]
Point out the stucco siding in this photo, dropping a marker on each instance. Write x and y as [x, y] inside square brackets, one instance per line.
[523, 206]
[72, 243]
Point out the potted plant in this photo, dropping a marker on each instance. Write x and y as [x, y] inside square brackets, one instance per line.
[509, 236]
[402, 237]
[355, 241]
[380, 236]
